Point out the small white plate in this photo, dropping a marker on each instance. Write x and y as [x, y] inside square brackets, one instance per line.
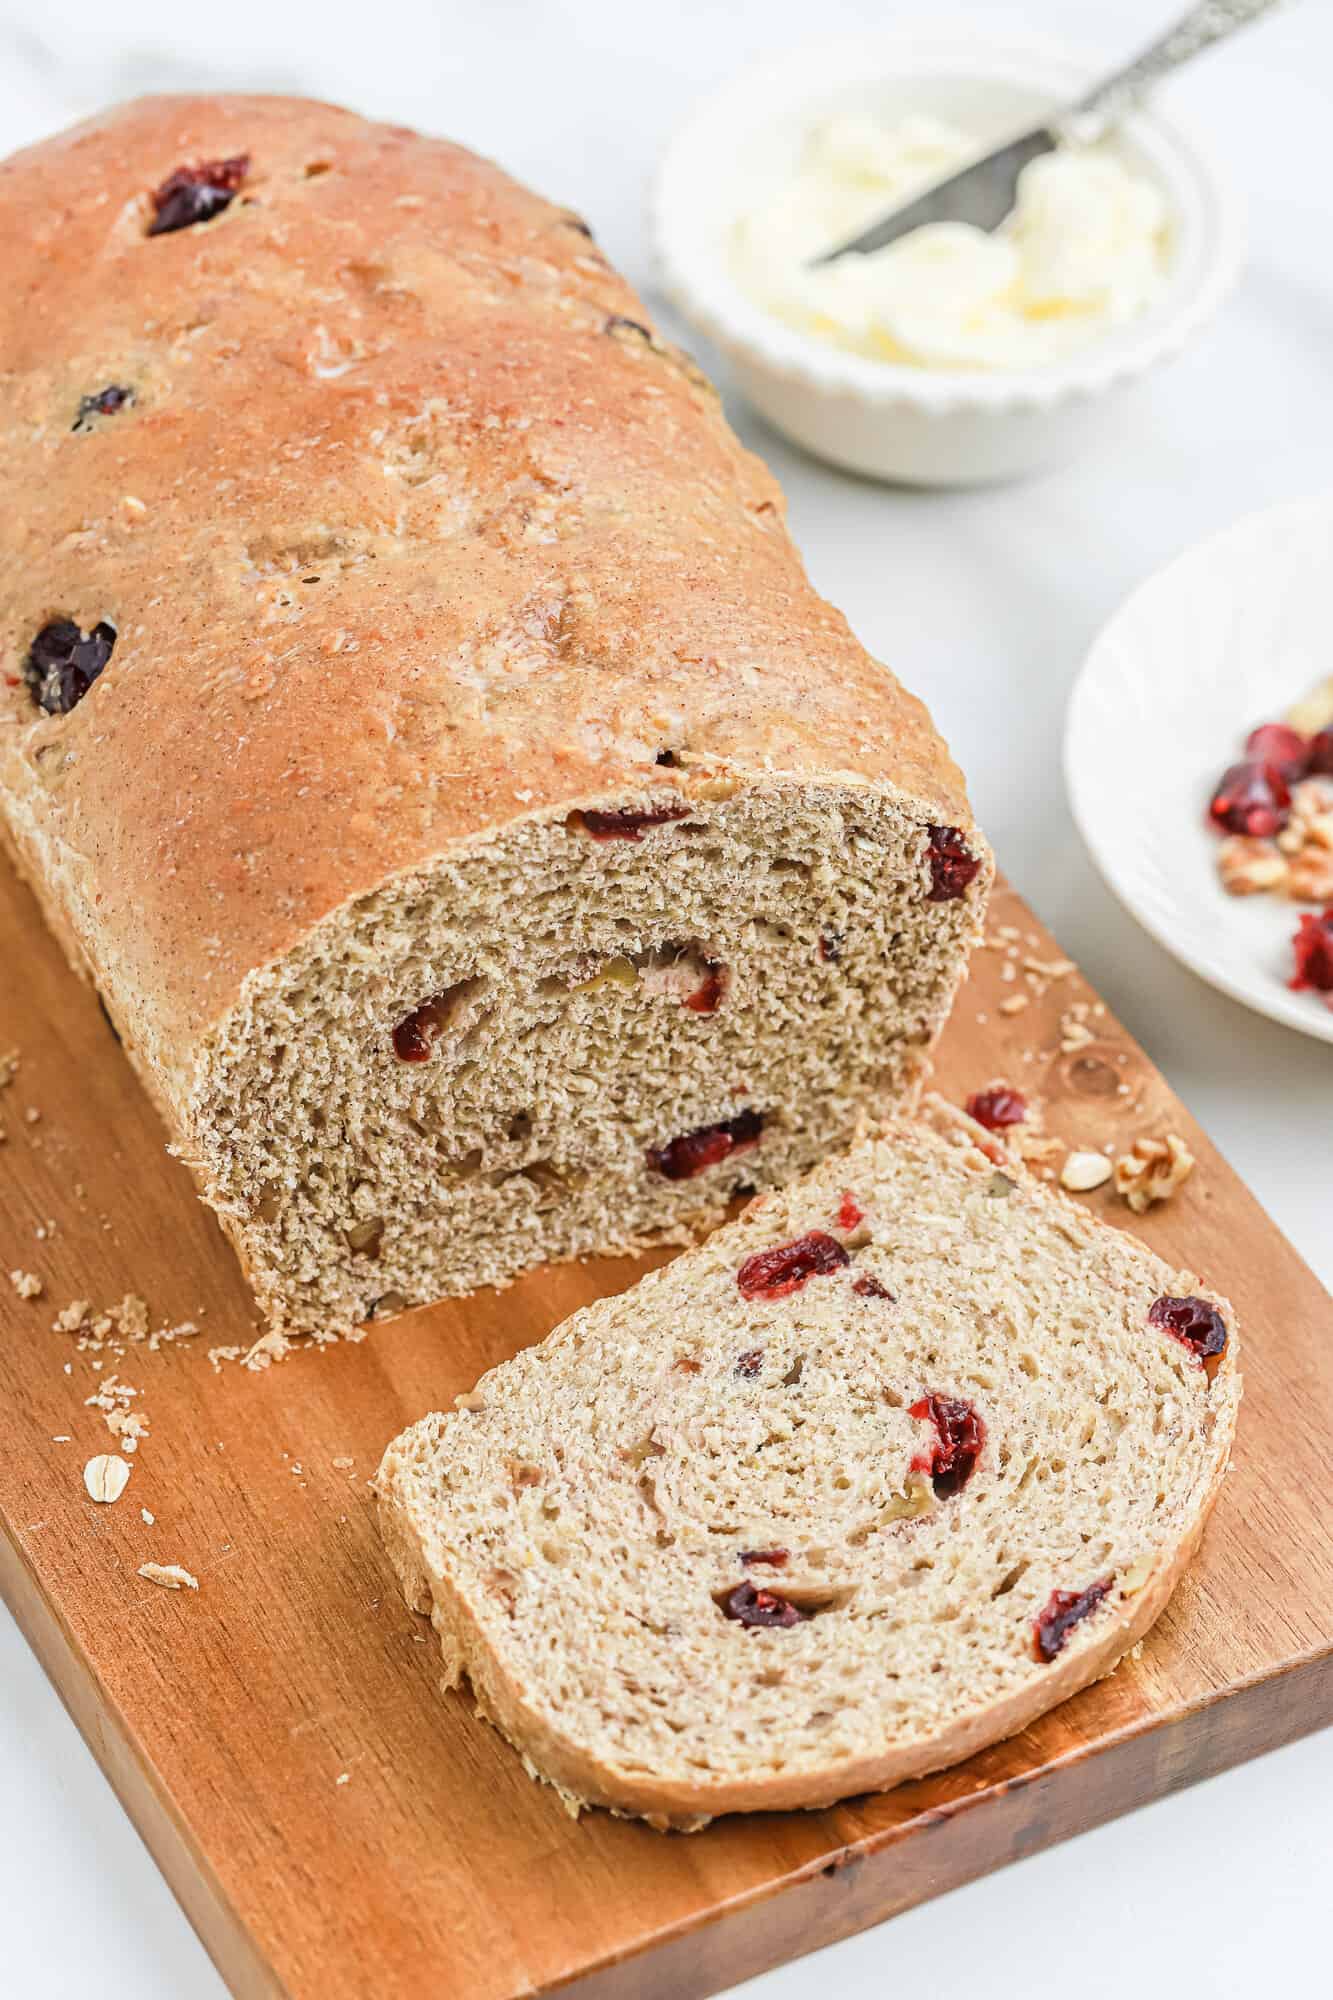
[1228, 635]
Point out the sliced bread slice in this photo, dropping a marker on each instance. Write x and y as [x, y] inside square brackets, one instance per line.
[899, 1460]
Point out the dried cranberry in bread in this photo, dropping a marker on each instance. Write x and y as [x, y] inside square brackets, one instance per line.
[416, 720]
[711, 1549]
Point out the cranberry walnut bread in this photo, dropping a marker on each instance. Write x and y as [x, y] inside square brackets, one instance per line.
[416, 720]
[879, 1473]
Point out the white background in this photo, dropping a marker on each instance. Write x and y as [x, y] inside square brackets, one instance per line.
[985, 603]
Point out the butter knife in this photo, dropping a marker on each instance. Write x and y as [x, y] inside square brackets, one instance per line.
[983, 193]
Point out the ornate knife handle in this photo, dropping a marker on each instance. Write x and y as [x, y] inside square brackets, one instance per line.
[1198, 28]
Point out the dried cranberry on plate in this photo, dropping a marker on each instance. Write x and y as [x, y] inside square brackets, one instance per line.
[1319, 764]
[1251, 798]
[1278, 744]
[1313, 946]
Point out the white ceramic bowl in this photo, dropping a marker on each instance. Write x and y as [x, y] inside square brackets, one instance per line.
[929, 428]
[1228, 635]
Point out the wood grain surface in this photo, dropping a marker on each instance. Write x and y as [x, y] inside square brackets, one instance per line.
[336, 1827]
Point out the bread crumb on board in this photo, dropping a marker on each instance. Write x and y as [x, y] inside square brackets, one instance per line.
[113, 1398]
[170, 1575]
[269, 1347]
[112, 1332]
[1075, 1034]
[118, 1326]
[26, 1283]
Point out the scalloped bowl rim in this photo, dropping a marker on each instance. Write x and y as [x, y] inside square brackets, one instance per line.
[1205, 211]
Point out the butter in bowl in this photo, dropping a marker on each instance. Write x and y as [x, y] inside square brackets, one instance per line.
[1085, 250]
[952, 356]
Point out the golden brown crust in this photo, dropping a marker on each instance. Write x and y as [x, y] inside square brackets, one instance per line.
[411, 530]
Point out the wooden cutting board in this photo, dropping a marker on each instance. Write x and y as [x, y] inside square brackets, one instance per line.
[332, 1825]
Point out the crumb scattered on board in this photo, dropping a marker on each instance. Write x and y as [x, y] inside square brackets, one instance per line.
[26, 1283]
[1034, 1145]
[170, 1575]
[113, 1398]
[1153, 1168]
[1075, 1034]
[1038, 976]
[111, 1333]
[269, 1347]
[118, 1327]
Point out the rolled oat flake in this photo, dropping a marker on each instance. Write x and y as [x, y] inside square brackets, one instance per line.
[106, 1476]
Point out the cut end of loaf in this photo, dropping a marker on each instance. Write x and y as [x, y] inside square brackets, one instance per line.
[731, 1542]
[583, 1035]
[524, 814]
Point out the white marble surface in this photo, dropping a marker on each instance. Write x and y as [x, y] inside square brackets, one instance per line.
[985, 603]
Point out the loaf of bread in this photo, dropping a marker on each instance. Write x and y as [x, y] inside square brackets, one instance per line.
[417, 722]
[885, 1469]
